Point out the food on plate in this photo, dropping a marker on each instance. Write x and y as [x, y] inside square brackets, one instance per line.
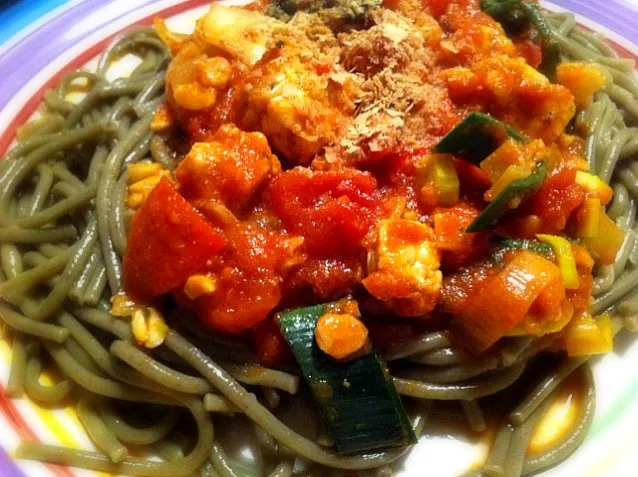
[314, 228]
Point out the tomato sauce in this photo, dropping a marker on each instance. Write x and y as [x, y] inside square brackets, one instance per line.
[300, 196]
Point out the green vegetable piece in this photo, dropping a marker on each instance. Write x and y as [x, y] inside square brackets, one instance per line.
[356, 398]
[549, 42]
[516, 16]
[508, 13]
[502, 245]
[517, 190]
[476, 137]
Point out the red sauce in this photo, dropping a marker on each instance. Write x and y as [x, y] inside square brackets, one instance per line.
[299, 235]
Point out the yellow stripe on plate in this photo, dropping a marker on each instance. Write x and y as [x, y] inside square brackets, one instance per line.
[51, 418]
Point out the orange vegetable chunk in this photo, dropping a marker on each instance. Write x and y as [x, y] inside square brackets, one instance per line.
[607, 242]
[502, 302]
[229, 168]
[340, 335]
[586, 335]
[582, 79]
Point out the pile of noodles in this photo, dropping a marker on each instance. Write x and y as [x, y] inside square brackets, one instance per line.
[63, 231]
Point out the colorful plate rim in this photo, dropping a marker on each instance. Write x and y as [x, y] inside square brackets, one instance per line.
[41, 40]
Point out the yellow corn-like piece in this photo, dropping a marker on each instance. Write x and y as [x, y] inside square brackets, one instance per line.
[199, 285]
[604, 246]
[144, 185]
[512, 173]
[149, 328]
[565, 256]
[142, 170]
[122, 305]
[588, 218]
[438, 169]
[135, 201]
[587, 335]
[163, 119]
[147, 324]
[595, 186]
[142, 179]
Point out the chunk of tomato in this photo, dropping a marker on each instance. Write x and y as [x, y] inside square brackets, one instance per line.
[459, 248]
[239, 302]
[168, 242]
[332, 210]
[556, 199]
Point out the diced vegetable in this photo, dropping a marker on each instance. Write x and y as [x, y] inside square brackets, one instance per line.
[511, 174]
[199, 285]
[340, 335]
[474, 180]
[503, 245]
[550, 312]
[583, 258]
[459, 247]
[241, 300]
[582, 79]
[581, 298]
[476, 137]
[605, 245]
[556, 200]
[588, 217]
[142, 179]
[595, 186]
[509, 153]
[511, 196]
[565, 257]
[586, 335]
[549, 42]
[403, 267]
[438, 170]
[356, 398]
[517, 16]
[450, 224]
[495, 307]
[508, 13]
[229, 168]
[511, 161]
[522, 225]
[169, 241]
[332, 210]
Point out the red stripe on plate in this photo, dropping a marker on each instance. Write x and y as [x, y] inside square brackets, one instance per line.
[30, 106]
[12, 414]
[621, 50]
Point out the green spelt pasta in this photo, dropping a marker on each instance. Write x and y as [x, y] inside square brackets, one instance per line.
[63, 233]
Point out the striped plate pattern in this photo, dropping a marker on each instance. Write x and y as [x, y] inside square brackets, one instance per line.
[41, 40]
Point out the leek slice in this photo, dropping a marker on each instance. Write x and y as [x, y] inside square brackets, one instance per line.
[513, 193]
[356, 398]
[476, 137]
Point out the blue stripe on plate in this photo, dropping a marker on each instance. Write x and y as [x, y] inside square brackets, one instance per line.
[18, 14]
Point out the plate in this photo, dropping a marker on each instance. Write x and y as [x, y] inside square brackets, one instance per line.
[41, 40]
